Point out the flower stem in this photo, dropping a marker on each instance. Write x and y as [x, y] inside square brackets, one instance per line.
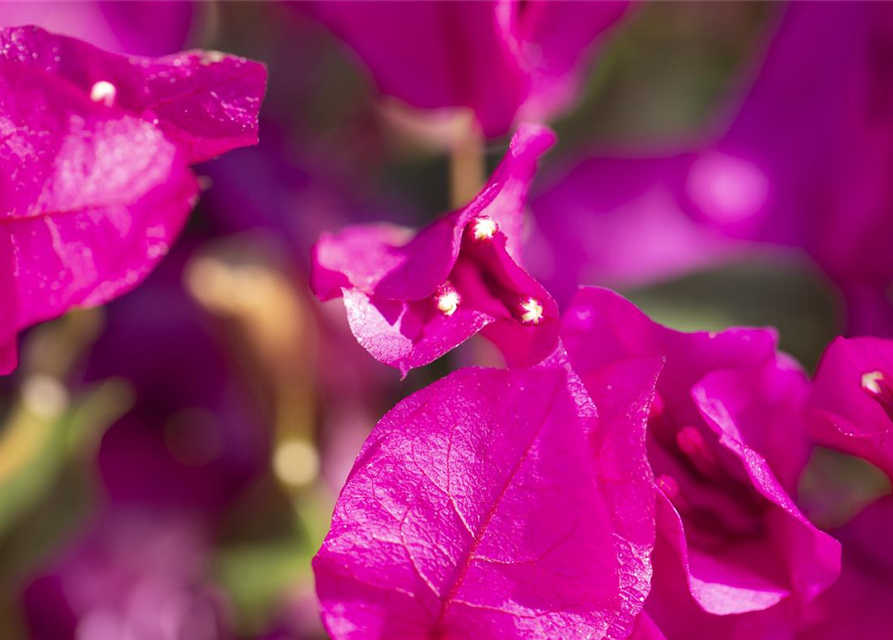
[467, 165]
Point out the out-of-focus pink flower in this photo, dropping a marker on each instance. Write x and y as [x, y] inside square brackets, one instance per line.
[146, 28]
[500, 58]
[129, 576]
[493, 504]
[94, 152]
[410, 299]
[851, 401]
[196, 435]
[804, 164]
[859, 605]
[726, 444]
[619, 222]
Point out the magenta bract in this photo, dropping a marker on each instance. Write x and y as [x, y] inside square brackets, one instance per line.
[497, 58]
[851, 401]
[859, 604]
[494, 505]
[726, 446]
[139, 27]
[94, 151]
[800, 165]
[410, 299]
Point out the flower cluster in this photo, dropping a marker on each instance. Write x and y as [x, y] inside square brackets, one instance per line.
[619, 478]
[616, 478]
[635, 480]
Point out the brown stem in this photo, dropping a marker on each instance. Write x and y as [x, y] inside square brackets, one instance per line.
[467, 164]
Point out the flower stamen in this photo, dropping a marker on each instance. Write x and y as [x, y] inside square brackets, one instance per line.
[670, 488]
[877, 385]
[529, 311]
[104, 92]
[447, 299]
[482, 229]
[692, 444]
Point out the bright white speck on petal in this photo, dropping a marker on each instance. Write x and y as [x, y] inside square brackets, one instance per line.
[104, 92]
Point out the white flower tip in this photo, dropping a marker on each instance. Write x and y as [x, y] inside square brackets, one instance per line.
[483, 228]
[448, 301]
[871, 382]
[530, 311]
[104, 92]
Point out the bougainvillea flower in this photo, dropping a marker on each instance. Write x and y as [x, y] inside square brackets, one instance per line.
[726, 445]
[802, 165]
[410, 299]
[130, 575]
[95, 151]
[851, 401]
[859, 604]
[500, 58]
[140, 27]
[493, 504]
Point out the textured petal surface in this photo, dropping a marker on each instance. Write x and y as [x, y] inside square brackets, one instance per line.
[205, 102]
[390, 278]
[91, 198]
[95, 184]
[477, 510]
[845, 413]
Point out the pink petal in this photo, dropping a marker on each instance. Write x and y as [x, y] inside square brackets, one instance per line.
[859, 605]
[557, 39]
[152, 28]
[205, 102]
[476, 510]
[673, 611]
[493, 57]
[621, 222]
[149, 27]
[735, 408]
[734, 384]
[845, 414]
[406, 335]
[94, 187]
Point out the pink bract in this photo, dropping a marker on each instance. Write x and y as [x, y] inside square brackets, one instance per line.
[726, 443]
[138, 27]
[799, 166]
[497, 58]
[95, 151]
[493, 505]
[410, 299]
[859, 605]
[851, 402]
